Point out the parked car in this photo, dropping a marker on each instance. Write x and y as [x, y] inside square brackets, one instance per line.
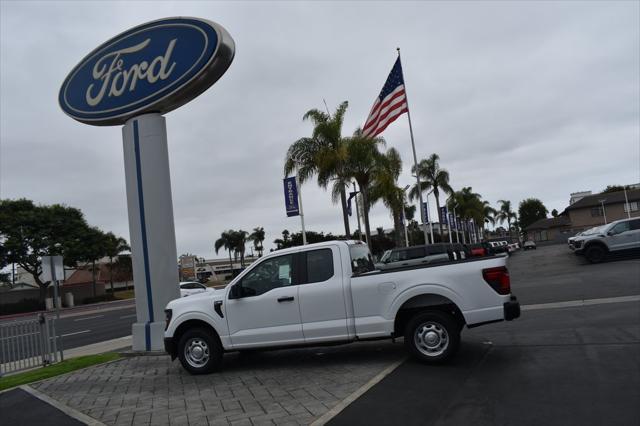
[513, 247]
[529, 245]
[416, 255]
[571, 240]
[187, 288]
[499, 246]
[330, 292]
[616, 237]
[481, 249]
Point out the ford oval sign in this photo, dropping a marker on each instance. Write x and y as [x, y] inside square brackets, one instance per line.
[155, 67]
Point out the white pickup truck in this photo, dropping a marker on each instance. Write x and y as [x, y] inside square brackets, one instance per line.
[329, 293]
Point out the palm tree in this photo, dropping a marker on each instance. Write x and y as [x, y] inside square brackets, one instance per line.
[239, 241]
[257, 236]
[385, 188]
[363, 163]
[113, 247]
[225, 241]
[431, 177]
[489, 214]
[505, 213]
[323, 155]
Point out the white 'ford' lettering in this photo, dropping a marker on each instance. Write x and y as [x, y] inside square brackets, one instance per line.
[117, 80]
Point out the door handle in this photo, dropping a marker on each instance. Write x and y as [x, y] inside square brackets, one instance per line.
[285, 299]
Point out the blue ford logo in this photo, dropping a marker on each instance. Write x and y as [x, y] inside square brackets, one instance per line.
[155, 67]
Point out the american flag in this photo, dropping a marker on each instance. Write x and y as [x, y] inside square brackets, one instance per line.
[390, 104]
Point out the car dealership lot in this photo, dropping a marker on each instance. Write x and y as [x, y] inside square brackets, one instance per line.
[554, 365]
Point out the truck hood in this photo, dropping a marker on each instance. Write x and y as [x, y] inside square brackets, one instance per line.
[210, 294]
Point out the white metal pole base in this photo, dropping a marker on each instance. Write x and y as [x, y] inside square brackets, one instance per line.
[151, 227]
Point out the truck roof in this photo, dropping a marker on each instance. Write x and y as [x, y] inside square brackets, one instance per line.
[316, 245]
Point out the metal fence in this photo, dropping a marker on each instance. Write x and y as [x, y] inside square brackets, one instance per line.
[29, 343]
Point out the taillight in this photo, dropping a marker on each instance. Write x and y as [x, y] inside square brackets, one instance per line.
[498, 279]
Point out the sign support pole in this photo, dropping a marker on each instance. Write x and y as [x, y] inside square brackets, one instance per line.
[151, 227]
[304, 233]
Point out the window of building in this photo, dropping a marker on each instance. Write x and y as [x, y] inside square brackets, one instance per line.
[597, 211]
[319, 265]
[632, 206]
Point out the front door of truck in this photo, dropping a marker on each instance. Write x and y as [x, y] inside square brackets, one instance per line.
[263, 308]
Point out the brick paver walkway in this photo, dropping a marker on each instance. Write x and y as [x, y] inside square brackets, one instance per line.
[287, 387]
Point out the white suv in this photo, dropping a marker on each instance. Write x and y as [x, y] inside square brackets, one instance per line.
[621, 235]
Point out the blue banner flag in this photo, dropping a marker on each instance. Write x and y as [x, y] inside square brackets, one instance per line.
[452, 221]
[291, 196]
[443, 214]
[425, 210]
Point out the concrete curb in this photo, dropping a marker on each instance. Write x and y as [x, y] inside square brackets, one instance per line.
[71, 412]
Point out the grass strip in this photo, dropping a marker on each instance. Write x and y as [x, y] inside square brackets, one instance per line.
[55, 370]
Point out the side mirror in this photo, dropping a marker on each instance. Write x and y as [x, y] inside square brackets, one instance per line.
[236, 291]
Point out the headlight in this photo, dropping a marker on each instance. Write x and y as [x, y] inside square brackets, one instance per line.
[167, 313]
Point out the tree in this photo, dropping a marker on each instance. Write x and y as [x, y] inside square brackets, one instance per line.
[92, 247]
[468, 205]
[363, 163]
[505, 213]
[113, 247]
[615, 188]
[431, 177]
[323, 155]
[531, 210]
[225, 241]
[239, 241]
[554, 213]
[257, 236]
[30, 231]
[385, 188]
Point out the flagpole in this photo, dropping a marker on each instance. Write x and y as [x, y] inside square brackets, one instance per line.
[415, 158]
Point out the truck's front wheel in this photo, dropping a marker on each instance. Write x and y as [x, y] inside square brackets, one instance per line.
[200, 352]
[432, 337]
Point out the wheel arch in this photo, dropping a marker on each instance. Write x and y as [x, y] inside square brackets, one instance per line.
[422, 302]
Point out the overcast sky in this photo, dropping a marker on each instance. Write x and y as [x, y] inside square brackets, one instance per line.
[519, 99]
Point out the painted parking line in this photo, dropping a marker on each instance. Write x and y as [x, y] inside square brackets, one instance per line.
[88, 318]
[357, 394]
[584, 302]
[76, 332]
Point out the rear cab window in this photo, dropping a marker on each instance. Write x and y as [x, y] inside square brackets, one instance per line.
[361, 260]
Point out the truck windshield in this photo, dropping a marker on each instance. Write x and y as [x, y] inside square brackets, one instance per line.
[385, 256]
[361, 260]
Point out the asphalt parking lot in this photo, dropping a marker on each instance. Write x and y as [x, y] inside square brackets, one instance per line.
[572, 358]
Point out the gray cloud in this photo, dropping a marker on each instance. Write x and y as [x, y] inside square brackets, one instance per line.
[520, 99]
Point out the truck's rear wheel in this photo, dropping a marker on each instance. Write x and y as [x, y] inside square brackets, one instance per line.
[432, 336]
[200, 352]
[595, 253]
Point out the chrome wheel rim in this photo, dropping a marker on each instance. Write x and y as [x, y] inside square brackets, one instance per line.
[431, 339]
[196, 352]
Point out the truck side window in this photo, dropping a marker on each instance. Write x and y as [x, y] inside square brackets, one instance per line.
[415, 253]
[319, 265]
[270, 274]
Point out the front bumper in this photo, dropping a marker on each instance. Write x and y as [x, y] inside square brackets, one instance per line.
[511, 309]
[170, 347]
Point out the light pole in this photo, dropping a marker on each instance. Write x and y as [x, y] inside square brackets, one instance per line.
[430, 221]
[404, 219]
[355, 190]
[604, 213]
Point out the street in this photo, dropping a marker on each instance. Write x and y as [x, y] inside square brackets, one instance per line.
[573, 357]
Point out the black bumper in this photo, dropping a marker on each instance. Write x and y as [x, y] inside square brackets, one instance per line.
[170, 347]
[511, 309]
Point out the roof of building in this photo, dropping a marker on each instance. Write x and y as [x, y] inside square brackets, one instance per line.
[547, 223]
[609, 197]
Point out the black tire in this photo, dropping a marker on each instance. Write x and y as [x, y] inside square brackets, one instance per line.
[440, 328]
[200, 351]
[595, 253]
